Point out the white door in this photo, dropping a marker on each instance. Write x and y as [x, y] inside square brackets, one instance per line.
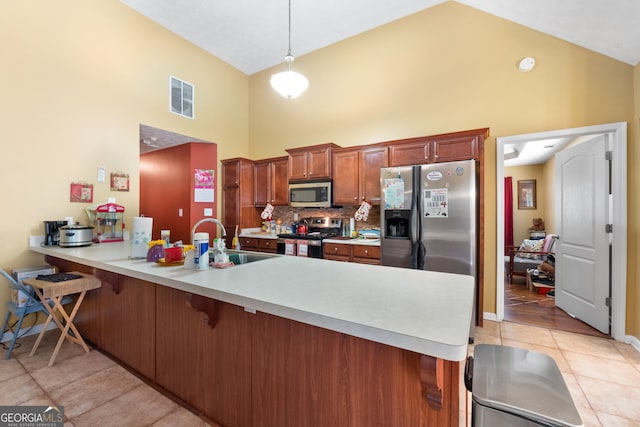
[582, 250]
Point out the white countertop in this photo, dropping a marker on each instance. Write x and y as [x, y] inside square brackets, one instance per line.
[421, 311]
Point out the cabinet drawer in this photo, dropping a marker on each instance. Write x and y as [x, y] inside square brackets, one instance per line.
[248, 243]
[267, 245]
[337, 249]
[366, 251]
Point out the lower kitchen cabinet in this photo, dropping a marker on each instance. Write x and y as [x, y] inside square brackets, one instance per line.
[366, 254]
[248, 243]
[363, 254]
[337, 252]
[268, 245]
[128, 319]
[203, 354]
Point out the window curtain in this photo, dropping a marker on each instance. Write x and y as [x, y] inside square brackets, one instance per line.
[508, 213]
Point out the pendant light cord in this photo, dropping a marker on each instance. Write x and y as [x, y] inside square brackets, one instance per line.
[289, 52]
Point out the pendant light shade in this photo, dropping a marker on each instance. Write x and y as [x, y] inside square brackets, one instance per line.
[289, 83]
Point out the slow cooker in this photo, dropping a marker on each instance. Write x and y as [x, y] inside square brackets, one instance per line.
[75, 235]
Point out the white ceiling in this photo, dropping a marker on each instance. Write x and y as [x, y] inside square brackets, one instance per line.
[251, 35]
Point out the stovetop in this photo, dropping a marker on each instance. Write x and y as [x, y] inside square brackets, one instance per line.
[314, 235]
[319, 228]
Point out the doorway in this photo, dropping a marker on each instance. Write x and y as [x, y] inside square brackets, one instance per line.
[618, 134]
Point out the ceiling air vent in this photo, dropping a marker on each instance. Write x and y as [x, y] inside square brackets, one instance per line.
[181, 97]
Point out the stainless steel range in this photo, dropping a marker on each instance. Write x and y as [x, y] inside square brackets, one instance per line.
[310, 244]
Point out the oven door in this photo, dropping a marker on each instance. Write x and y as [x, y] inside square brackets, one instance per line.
[311, 248]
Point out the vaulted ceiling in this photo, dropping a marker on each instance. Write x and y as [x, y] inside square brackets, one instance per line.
[252, 35]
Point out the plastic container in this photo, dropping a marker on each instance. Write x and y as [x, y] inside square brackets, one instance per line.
[201, 256]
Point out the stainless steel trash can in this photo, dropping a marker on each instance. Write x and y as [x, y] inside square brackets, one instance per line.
[517, 387]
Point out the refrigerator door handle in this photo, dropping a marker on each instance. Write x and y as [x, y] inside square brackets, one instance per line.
[415, 206]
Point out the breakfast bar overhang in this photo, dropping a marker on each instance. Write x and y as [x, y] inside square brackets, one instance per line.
[286, 341]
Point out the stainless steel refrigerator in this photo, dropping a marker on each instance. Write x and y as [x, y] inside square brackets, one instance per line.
[430, 218]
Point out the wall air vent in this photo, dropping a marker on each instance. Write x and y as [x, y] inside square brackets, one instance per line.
[181, 97]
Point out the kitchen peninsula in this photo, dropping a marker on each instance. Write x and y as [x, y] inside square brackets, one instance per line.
[286, 341]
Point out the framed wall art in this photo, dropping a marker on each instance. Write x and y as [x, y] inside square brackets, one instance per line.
[527, 194]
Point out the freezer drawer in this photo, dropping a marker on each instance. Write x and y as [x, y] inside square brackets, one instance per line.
[518, 386]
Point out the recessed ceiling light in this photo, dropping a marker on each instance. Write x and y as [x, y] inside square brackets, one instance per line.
[527, 64]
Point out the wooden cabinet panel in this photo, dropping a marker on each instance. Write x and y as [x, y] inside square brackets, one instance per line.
[337, 249]
[319, 163]
[270, 182]
[248, 243]
[297, 165]
[280, 181]
[409, 153]
[128, 308]
[366, 254]
[268, 245]
[348, 381]
[230, 207]
[371, 160]
[345, 177]
[310, 162]
[237, 195]
[180, 348]
[457, 148]
[227, 367]
[356, 174]
[363, 254]
[262, 183]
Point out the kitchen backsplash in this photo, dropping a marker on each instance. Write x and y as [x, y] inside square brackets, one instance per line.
[286, 213]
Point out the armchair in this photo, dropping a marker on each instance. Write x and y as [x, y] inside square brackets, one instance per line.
[529, 254]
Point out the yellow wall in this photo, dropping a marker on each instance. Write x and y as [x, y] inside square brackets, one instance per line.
[633, 243]
[81, 76]
[445, 69]
[78, 79]
[523, 218]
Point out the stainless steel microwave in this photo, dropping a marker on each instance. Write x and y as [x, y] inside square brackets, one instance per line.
[310, 194]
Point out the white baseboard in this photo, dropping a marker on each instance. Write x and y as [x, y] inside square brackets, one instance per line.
[24, 332]
[635, 342]
[489, 316]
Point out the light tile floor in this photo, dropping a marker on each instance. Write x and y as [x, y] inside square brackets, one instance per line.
[93, 389]
[602, 375]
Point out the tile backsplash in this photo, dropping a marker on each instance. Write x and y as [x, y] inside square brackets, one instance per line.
[286, 214]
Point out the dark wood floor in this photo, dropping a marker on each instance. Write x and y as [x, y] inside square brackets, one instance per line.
[531, 308]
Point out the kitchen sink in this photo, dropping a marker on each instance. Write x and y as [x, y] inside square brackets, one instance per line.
[245, 257]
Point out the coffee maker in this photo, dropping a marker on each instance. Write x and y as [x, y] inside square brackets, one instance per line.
[52, 232]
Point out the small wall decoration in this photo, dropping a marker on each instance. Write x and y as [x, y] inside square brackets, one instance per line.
[527, 194]
[204, 185]
[119, 181]
[81, 192]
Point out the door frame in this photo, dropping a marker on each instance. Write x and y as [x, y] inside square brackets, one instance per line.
[618, 134]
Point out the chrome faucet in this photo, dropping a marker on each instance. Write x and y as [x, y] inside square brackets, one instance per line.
[193, 230]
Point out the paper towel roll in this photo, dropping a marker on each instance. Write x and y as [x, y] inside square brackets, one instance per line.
[142, 227]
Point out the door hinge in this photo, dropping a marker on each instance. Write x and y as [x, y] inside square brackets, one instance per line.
[608, 155]
[608, 228]
[607, 301]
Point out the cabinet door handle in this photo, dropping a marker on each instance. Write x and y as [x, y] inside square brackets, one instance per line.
[366, 251]
[335, 249]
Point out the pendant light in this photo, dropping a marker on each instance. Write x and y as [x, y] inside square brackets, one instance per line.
[289, 83]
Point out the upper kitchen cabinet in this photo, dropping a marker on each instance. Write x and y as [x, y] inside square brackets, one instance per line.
[356, 174]
[437, 149]
[270, 181]
[237, 194]
[310, 162]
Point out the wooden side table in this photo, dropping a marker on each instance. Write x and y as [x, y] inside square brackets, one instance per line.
[55, 291]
